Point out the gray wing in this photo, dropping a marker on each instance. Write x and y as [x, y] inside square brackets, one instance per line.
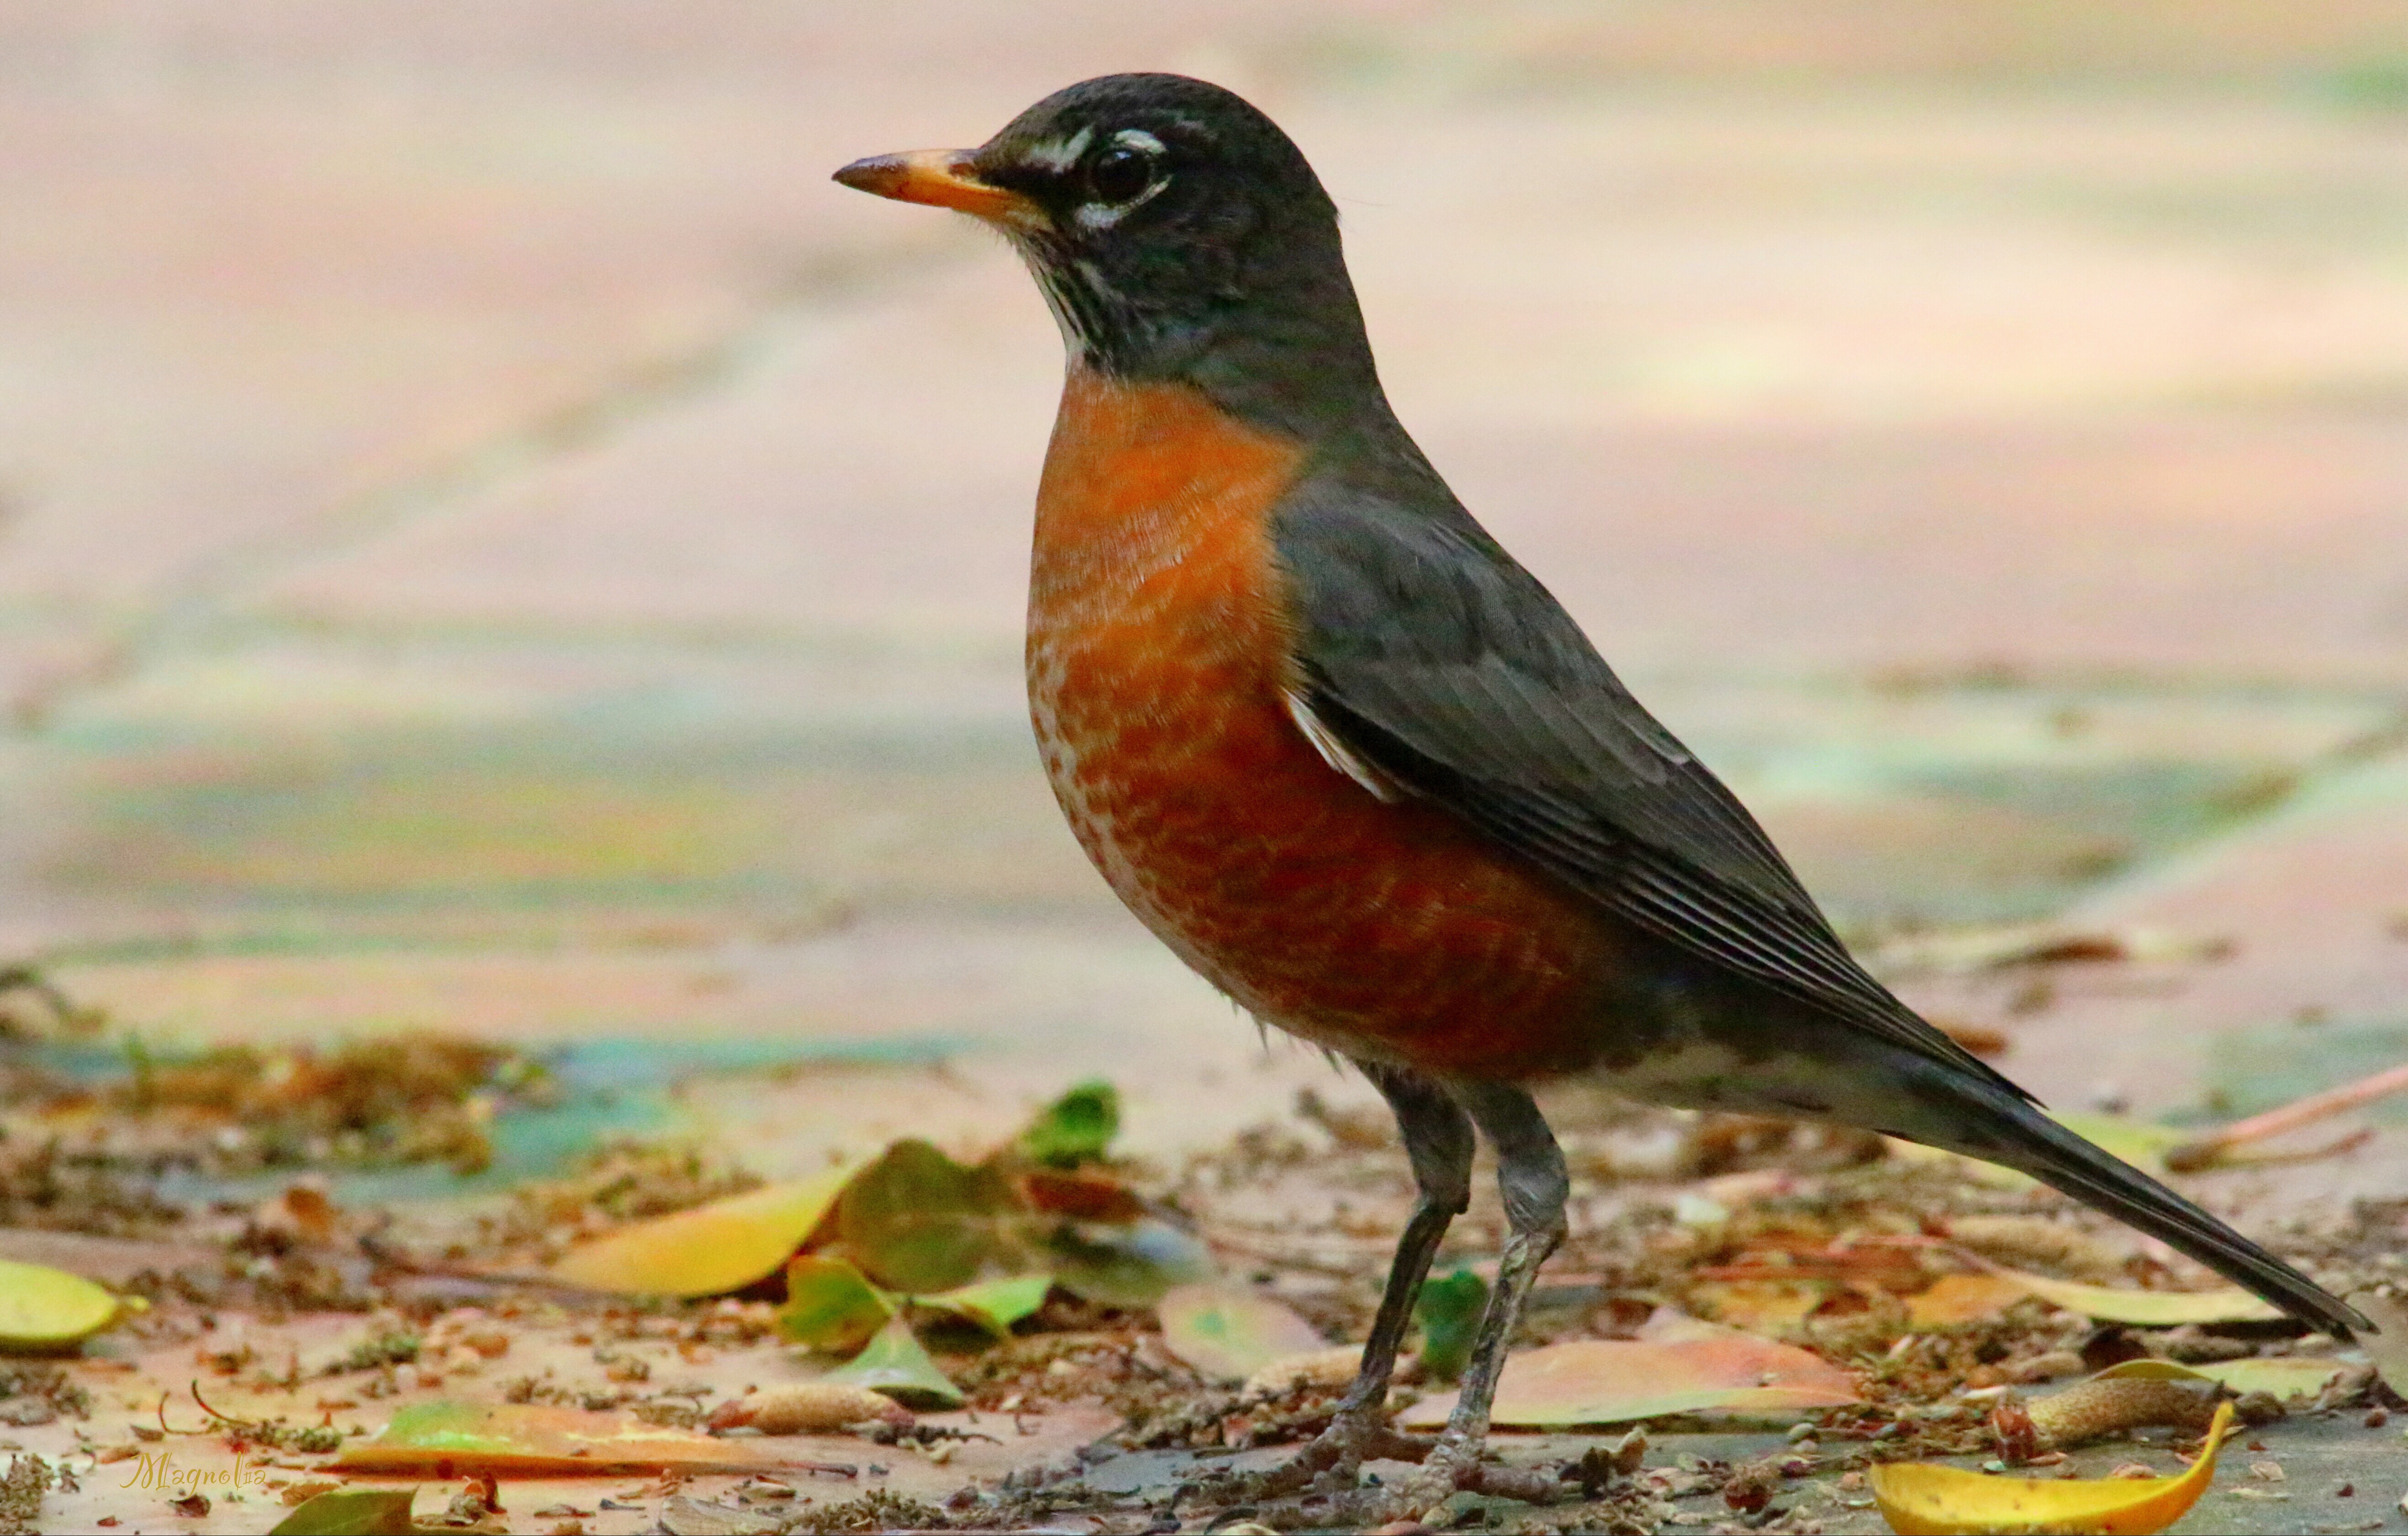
[1436, 659]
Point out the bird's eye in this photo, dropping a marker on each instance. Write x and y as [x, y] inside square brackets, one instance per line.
[1119, 174]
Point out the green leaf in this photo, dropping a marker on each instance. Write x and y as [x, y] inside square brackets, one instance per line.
[350, 1511]
[994, 1305]
[1449, 1312]
[1230, 1332]
[917, 1221]
[1075, 1129]
[830, 1305]
[894, 1363]
[1124, 1265]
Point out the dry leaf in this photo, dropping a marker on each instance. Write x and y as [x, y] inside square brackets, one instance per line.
[1956, 1299]
[2125, 1397]
[2282, 1375]
[1332, 1367]
[809, 1407]
[2146, 1309]
[1230, 1333]
[531, 1440]
[2389, 1346]
[724, 1247]
[1768, 1307]
[1611, 1381]
[1920, 1499]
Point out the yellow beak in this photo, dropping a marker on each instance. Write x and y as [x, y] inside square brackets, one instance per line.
[940, 178]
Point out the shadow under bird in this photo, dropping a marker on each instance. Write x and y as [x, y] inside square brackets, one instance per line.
[1358, 767]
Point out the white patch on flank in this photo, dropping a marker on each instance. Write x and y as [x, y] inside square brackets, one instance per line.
[1334, 752]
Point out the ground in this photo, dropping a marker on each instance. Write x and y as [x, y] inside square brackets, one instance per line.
[495, 544]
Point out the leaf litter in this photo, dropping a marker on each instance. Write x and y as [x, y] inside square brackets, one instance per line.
[787, 1354]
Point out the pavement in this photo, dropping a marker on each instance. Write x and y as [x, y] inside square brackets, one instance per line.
[491, 538]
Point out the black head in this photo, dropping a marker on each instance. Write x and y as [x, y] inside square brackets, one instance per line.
[1178, 235]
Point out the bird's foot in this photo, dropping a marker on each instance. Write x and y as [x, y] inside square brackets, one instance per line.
[1331, 1464]
[1324, 1478]
[1454, 1466]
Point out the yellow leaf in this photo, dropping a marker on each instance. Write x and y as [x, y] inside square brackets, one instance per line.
[2284, 1376]
[2146, 1309]
[42, 1308]
[724, 1247]
[1955, 1298]
[1919, 1500]
[1767, 1307]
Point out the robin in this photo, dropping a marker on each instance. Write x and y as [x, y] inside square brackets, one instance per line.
[1356, 766]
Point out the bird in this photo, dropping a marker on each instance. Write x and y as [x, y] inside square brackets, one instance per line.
[1358, 767]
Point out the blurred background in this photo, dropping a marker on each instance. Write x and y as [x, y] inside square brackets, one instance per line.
[493, 541]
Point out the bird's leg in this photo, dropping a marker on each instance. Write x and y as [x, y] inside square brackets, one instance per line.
[1438, 1139]
[1531, 1175]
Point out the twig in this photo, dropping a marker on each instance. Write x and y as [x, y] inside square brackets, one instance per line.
[2191, 1157]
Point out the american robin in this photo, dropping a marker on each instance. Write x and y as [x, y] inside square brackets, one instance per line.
[1358, 767]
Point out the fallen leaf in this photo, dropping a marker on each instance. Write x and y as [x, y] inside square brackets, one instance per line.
[536, 1439]
[685, 1517]
[809, 1408]
[2043, 1244]
[1768, 1307]
[917, 1221]
[1957, 1299]
[2146, 1309]
[1611, 1381]
[1228, 1333]
[2388, 1348]
[45, 1309]
[2284, 1376]
[894, 1363]
[724, 1247]
[1126, 1266]
[830, 1305]
[1921, 1500]
[2126, 1396]
[1322, 1368]
[1075, 1129]
[352, 1512]
[1080, 1194]
[994, 1305]
[1449, 1312]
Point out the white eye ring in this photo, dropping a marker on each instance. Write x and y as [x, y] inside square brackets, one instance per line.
[1105, 215]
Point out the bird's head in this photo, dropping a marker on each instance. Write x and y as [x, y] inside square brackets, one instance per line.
[1177, 234]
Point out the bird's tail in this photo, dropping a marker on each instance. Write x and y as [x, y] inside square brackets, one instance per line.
[1983, 1122]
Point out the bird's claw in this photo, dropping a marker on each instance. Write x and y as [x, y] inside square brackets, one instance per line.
[1325, 1476]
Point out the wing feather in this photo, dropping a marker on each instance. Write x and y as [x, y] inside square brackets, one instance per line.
[1434, 659]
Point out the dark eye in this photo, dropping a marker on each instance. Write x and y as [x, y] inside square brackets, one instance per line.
[1119, 174]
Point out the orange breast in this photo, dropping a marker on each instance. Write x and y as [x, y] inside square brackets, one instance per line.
[1158, 656]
